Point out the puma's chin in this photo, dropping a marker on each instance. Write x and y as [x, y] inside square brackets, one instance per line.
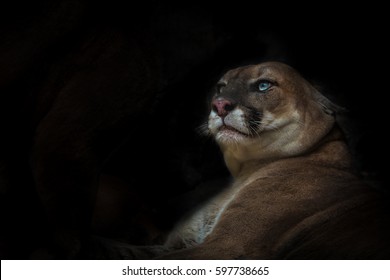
[228, 134]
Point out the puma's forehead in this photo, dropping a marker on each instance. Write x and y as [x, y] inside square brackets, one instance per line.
[276, 71]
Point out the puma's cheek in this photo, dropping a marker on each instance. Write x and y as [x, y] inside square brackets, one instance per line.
[236, 119]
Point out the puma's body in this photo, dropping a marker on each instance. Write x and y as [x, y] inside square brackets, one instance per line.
[295, 193]
[301, 207]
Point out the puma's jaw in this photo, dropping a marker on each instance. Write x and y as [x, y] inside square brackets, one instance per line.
[231, 129]
[271, 137]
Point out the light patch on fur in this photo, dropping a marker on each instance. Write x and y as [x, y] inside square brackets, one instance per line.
[204, 221]
[196, 227]
[236, 120]
[214, 123]
[229, 137]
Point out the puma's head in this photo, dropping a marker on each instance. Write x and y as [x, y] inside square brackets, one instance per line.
[265, 112]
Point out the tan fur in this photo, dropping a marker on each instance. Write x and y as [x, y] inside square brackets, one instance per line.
[295, 194]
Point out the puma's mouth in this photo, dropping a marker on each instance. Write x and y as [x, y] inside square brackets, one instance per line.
[234, 127]
[229, 129]
[228, 134]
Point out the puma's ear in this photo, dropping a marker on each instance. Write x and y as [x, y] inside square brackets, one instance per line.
[328, 106]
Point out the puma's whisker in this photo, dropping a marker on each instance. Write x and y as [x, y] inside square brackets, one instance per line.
[203, 129]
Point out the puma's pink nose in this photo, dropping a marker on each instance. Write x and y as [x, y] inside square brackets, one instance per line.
[222, 106]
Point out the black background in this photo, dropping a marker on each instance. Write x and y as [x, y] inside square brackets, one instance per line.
[189, 45]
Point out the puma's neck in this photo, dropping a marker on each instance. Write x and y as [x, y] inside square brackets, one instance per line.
[331, 150]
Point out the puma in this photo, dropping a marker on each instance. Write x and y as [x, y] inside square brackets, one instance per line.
[295, 194]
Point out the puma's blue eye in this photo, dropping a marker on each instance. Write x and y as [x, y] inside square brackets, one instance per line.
[264, 86]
